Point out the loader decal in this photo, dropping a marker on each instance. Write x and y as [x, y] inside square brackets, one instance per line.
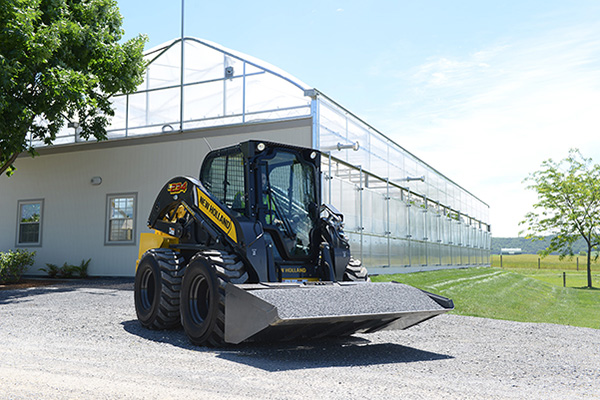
[294, 270]
[177, 187]
[216, 215]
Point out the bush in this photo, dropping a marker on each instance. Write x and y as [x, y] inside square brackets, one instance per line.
[82, 269]
[14, 263]
[67, 271]
[52, 270]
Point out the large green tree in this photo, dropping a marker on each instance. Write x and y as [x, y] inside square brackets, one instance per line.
[568, 206]
[61, 61]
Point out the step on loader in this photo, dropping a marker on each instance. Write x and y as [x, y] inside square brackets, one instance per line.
[247, 252]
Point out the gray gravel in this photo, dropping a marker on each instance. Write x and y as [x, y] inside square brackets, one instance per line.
[363, 298]
[82, 341]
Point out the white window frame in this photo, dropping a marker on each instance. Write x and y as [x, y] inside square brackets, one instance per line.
[20, 204]
[108, 219]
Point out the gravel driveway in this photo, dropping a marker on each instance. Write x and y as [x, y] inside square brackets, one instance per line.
[82, 341]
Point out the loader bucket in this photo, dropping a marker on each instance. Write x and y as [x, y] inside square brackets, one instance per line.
[287, 311]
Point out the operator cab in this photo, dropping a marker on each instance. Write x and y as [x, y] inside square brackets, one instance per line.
[273, 184]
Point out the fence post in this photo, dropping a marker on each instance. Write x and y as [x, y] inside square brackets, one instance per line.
[577, 263]
[564, 279]
[539, 263]
[500, 260]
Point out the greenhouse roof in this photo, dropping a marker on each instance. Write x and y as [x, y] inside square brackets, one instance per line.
[156, 51]
[221, 87]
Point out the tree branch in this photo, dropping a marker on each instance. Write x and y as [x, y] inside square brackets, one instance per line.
[8, 163]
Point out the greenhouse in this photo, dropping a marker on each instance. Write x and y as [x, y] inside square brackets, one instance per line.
[400, 213]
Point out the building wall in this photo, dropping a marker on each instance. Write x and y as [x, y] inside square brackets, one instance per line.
[75, 211]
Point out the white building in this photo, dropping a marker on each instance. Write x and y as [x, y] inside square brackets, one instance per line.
[81, 200]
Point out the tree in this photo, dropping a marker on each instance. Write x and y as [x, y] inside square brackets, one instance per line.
[61, 61]
[568, 205]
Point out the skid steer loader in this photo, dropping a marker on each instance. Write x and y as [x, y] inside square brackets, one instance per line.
[247, 252]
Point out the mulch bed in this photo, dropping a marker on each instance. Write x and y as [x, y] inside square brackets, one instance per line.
[27, 283]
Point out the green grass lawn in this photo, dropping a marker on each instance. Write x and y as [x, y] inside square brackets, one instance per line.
[574, 279]
[526, 295]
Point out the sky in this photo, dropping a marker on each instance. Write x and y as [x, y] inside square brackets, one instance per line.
[482, 91]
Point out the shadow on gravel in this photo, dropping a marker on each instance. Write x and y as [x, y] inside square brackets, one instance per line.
[348, 352]
[173, 337]
[280, 356]
[9, 295]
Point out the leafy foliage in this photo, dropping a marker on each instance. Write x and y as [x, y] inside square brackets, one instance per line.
[67, 271]
[568, 206]
[61, 61]
[13, 264]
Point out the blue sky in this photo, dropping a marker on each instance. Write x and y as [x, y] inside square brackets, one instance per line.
[482, 91]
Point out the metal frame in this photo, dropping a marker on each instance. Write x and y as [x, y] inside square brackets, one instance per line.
[422, 252]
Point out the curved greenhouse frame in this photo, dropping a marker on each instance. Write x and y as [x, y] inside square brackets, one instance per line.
[399, 211]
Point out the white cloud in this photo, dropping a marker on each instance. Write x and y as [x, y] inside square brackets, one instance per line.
[489, 119]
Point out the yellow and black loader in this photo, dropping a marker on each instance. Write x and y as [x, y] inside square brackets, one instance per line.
[248, 252]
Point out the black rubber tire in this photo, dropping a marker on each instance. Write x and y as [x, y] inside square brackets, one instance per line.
[202, 305]
[156, 289]
[356, 272]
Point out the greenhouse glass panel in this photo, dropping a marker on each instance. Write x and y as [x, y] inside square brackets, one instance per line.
[417, 186]
[410, 166]
[465, 231]
[379, 213]
[398, 218]
[153, 110]
[268, 93]
[350, 203]
[418, 253]
[446, 255]
[379, 251]
[417, 223]
[396, 166]
[454, 255]
[332, 127]
[119, 121]
[336, 193]
[367, 251]
[435, 254]
[203, 63]
[203, 101]
[433, 227]
[164, 70]
[480, 239]
[456, 239]
[368, 213]
[399, 252]
[379, 157]
[234, 97]
[444, 236]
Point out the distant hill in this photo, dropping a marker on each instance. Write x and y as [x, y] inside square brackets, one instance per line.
[529, 246]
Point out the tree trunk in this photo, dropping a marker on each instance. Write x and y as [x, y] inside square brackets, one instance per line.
[589, 267]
